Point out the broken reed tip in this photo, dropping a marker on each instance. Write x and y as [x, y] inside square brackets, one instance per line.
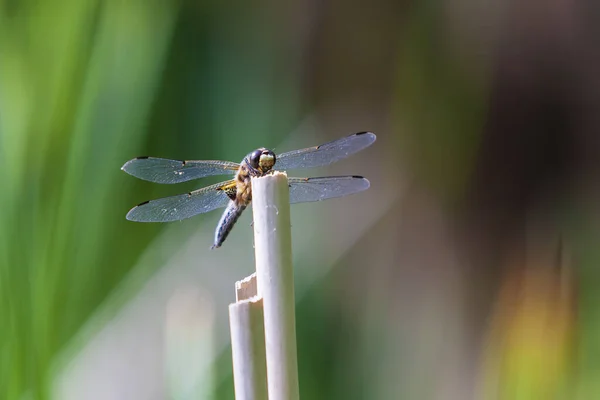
[246, 288]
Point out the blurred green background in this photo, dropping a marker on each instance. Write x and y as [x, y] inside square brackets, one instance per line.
[467, 271]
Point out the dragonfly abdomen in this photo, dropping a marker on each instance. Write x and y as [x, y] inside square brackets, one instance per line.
[227, 221]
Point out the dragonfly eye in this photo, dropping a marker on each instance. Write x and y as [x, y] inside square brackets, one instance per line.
[266, 160]
[255, 158]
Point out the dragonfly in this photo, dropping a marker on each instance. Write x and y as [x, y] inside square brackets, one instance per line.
[236, 194]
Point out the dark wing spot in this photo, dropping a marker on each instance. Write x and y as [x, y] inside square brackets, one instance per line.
[142, 158]
[141, 204]
[183, 163]
[189, 194]
[358, 177]
[361, 133]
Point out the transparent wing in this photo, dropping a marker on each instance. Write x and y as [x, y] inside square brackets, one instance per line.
[324, 154]
[303, 190]
[182, 206]
[162, 170]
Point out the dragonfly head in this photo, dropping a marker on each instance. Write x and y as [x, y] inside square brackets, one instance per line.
[262, 160]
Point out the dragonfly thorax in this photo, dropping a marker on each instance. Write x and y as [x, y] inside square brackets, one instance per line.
[261, 160]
